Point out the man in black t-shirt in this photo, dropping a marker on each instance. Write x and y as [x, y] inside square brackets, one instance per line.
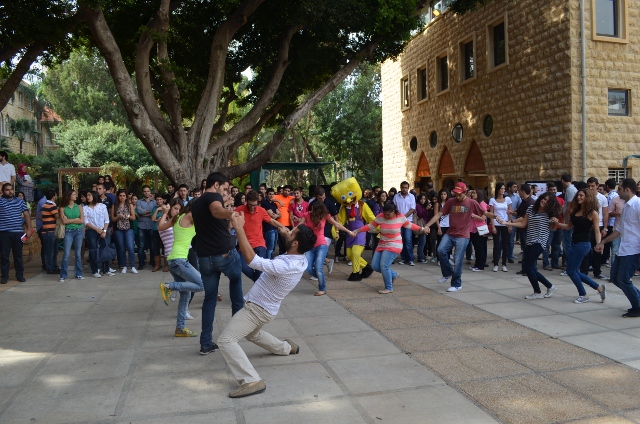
[216, 253]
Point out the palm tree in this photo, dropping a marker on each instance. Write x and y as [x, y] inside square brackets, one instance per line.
[22, 128]
[4, 144]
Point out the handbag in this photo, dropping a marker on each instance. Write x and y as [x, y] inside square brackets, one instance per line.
[483, 229]
[105, 253]
[60, 230]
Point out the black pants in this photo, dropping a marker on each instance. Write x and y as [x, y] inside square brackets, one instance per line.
[480, 246]
[606, 253]
[340, 243]
[594, 258]
[10, 242]
[432, 241]
[529, 259]
[501, 245]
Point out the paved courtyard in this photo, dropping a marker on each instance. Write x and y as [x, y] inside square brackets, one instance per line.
[103, 351]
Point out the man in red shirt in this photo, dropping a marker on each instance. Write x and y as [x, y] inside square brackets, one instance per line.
[297, 207]
[461, 211]
[254, 216]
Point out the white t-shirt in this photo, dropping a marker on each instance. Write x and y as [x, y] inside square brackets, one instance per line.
[602, 202]
[6, 172]
[500, 209]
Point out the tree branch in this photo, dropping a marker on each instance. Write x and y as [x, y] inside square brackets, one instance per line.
[249, 135]
[13, 82]
[10, 52]
[224, 112]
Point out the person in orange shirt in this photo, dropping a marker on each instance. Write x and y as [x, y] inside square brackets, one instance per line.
[284, 200]
[254, 216]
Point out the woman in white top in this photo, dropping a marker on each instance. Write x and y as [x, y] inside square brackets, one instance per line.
[443, 224]
[501, 207]
[96, 222]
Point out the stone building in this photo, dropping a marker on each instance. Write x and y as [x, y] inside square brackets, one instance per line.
[496, 94]
[23, 105]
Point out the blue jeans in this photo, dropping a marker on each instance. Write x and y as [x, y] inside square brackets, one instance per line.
[422, 241]
[271, 239]
[407, 244]
[446, 244]
[50, 250]
[615, 245]
[574, 259]
[529, 259]
[186, 279]
[381, 262]
[124, 244]
[553, 245]
[253, 274]
[512, 243]
[72, 237]
[210, 269]
[315, 262]
[94, 241]
[622, 270]
[147, 241]
[566, 242]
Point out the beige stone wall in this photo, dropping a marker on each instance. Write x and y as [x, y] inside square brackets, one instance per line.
[530, 99]
[17, 110]
[608, 65]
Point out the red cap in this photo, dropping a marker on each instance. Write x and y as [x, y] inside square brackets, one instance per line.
[460, 188]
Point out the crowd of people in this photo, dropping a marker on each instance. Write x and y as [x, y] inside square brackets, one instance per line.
[275, 235]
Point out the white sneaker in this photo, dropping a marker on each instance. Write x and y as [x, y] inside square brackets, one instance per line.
[109, 274]
[174, 295]
[495, 268]
[124, 270]
[349, 263]
[504, 268]
[454, 289]
[313, 278]
[550, 291]
[134, 270]
[563, 274]
[62, 280]
[80, 278]
[443, 279]
[187, 315]
[535, 296]
[97, 275]
[112, 270]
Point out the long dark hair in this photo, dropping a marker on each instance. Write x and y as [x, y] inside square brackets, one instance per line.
[378, 201]
[66, 198]
[553, 206]
[589, 205]
[183, 209]
[94, 198]
[318, 213]
[497, 192]
[390, 207]
[126, 199]
[482, 196]
[443, 190]
[424, 196]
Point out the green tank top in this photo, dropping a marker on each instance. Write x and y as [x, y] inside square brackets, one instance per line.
[181, 240]
[72, 213]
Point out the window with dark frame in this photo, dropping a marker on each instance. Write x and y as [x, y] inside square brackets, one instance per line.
[443, 67]
[499, 46]
[469, 66]
[618, 102]
[405, 93]
[487, 126]
[433, 140]
[607, 18]
[422, 83]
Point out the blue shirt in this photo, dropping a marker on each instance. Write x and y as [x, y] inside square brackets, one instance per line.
[41, 203]
[142, 206]
[11, 211]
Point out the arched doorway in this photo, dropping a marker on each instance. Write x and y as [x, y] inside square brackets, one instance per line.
[447, 171]
[475, 168]
[423, 173]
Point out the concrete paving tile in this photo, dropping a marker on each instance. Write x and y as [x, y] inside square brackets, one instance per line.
[75, 296]
[492, 332]
[362, 292]
[314, 326]
[221, 417]
[431, 300]
[32, 342]
[122, 306]
[633, 415]
[343, 285]
[260, 357]
[184, 392]
[11, 310]
[138, 293]
[115, 321]
[334, 411]
[478, 298]
[294, 383]
[560, 325]
[163, 336]
[101, 340]
[65, 401]
[35, 325]
[162, 361]
[633, 331]
[474, 363]
[607, 419]
[397, 319]
[550, 354]
[633, 364]
[48, 309]
[565, 304]
[322, 305]
[613, 385]
[612, 344]
[461, 314]
[377, 304]
[529, 399]
[80, 366]
[430, 405]
[351, 345]
[16, 367]
[383, 373]
[516, 309]
[428, 338]
[376, 282]
[495, 284]
[609, 318]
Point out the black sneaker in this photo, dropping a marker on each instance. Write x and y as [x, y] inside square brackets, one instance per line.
[4, 281]
[21, 279]
[631, 314]
[204, 351]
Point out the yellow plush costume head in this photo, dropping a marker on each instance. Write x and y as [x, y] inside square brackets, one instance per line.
[347, 191]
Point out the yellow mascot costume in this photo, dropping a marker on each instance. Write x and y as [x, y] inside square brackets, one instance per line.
[354, 213]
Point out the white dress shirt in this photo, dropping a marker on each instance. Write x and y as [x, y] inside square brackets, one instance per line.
[405, 204]
[629, 228]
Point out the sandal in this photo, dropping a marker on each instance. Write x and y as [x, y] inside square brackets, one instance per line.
[385, 291]
[320, 293]
[219, 297]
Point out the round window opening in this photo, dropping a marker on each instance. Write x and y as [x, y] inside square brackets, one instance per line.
[487, 125]
[413, 144]
[433, 140]
[456, 133]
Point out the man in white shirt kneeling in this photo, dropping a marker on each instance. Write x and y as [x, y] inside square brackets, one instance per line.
[262, 302]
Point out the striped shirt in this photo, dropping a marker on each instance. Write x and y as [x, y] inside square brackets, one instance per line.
[279, 276]
[11, 211]
[537, 228]
[390, 238]
[48, 215]
[167, 240]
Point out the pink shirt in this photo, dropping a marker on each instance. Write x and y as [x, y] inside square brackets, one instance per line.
[390, 238]
[318, 230]
[297, 209]
[475, 223]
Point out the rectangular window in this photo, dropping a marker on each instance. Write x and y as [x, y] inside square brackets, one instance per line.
[619, 102]
[47, 138]
[404, 88]
[421, 75]
[617, 174]
[30, 102]
[607, 13]
[442, 72]
[497, 43]
[20, 100]
[467, 60]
